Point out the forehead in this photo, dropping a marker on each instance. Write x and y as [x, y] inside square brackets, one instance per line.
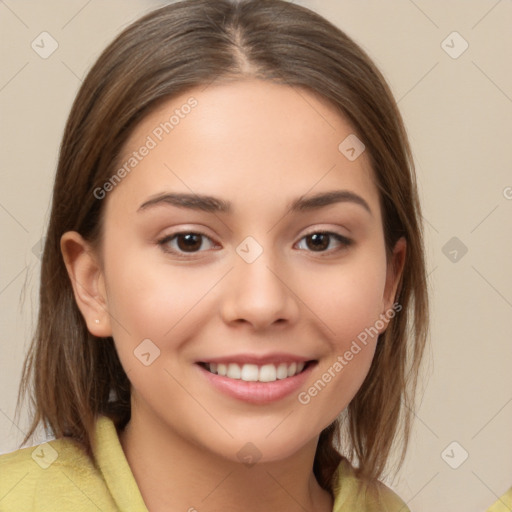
[252, 142]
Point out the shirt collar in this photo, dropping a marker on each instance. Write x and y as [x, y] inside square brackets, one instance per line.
[115, 469]
[121, 483]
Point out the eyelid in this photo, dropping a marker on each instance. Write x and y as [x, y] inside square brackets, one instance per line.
[328, 232]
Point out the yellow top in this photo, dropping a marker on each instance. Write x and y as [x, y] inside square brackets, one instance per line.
[58, 476]
[504, 504]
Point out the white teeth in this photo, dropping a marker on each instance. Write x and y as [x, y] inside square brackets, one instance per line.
[254, 373]
[292, 369]
[282, 371]
[267, 373]
[233, 371]
[249, 372]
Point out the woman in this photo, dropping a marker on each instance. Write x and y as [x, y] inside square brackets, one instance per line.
[233, 261]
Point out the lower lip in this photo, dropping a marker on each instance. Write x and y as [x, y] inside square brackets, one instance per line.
[257, 392]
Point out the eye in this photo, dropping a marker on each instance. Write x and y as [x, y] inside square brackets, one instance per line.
[186, 242]
[191, 242]
[319, 241]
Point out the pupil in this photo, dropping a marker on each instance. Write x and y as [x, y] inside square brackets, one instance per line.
[316, 238]
[193, 241]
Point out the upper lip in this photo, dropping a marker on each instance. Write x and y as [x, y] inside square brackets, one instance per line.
[258, 359]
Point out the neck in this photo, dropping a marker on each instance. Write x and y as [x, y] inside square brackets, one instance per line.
[175, 475]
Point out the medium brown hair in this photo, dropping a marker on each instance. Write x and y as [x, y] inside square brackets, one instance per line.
[69, 374]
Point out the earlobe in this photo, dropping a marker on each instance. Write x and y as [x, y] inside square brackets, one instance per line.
[87, 280]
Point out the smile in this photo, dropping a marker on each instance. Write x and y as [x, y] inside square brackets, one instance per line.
[259, 381]
[256, 373]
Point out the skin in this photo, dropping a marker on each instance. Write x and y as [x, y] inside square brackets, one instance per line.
[259, 145]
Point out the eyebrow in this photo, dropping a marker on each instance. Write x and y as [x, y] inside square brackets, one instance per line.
[212, 204]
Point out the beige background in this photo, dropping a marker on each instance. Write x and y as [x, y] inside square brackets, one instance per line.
[458, 112]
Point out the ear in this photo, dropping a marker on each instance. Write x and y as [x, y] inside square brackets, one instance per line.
[395, 267]
[88, 283]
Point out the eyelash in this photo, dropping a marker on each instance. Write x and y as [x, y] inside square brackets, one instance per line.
[344, 241]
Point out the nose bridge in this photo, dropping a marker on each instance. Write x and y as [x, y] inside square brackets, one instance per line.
[258, 291]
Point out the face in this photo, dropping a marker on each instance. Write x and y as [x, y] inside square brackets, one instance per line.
[278, 296]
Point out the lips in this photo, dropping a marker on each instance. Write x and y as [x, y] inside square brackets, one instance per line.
[257, 383]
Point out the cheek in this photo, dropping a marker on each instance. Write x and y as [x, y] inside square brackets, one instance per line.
[348, 302]
[348, 298]
[154, 314]
[156, 302]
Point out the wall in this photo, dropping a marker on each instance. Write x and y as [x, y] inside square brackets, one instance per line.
[457, 105]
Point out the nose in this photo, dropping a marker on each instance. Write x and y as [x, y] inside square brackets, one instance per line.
[260, 294]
